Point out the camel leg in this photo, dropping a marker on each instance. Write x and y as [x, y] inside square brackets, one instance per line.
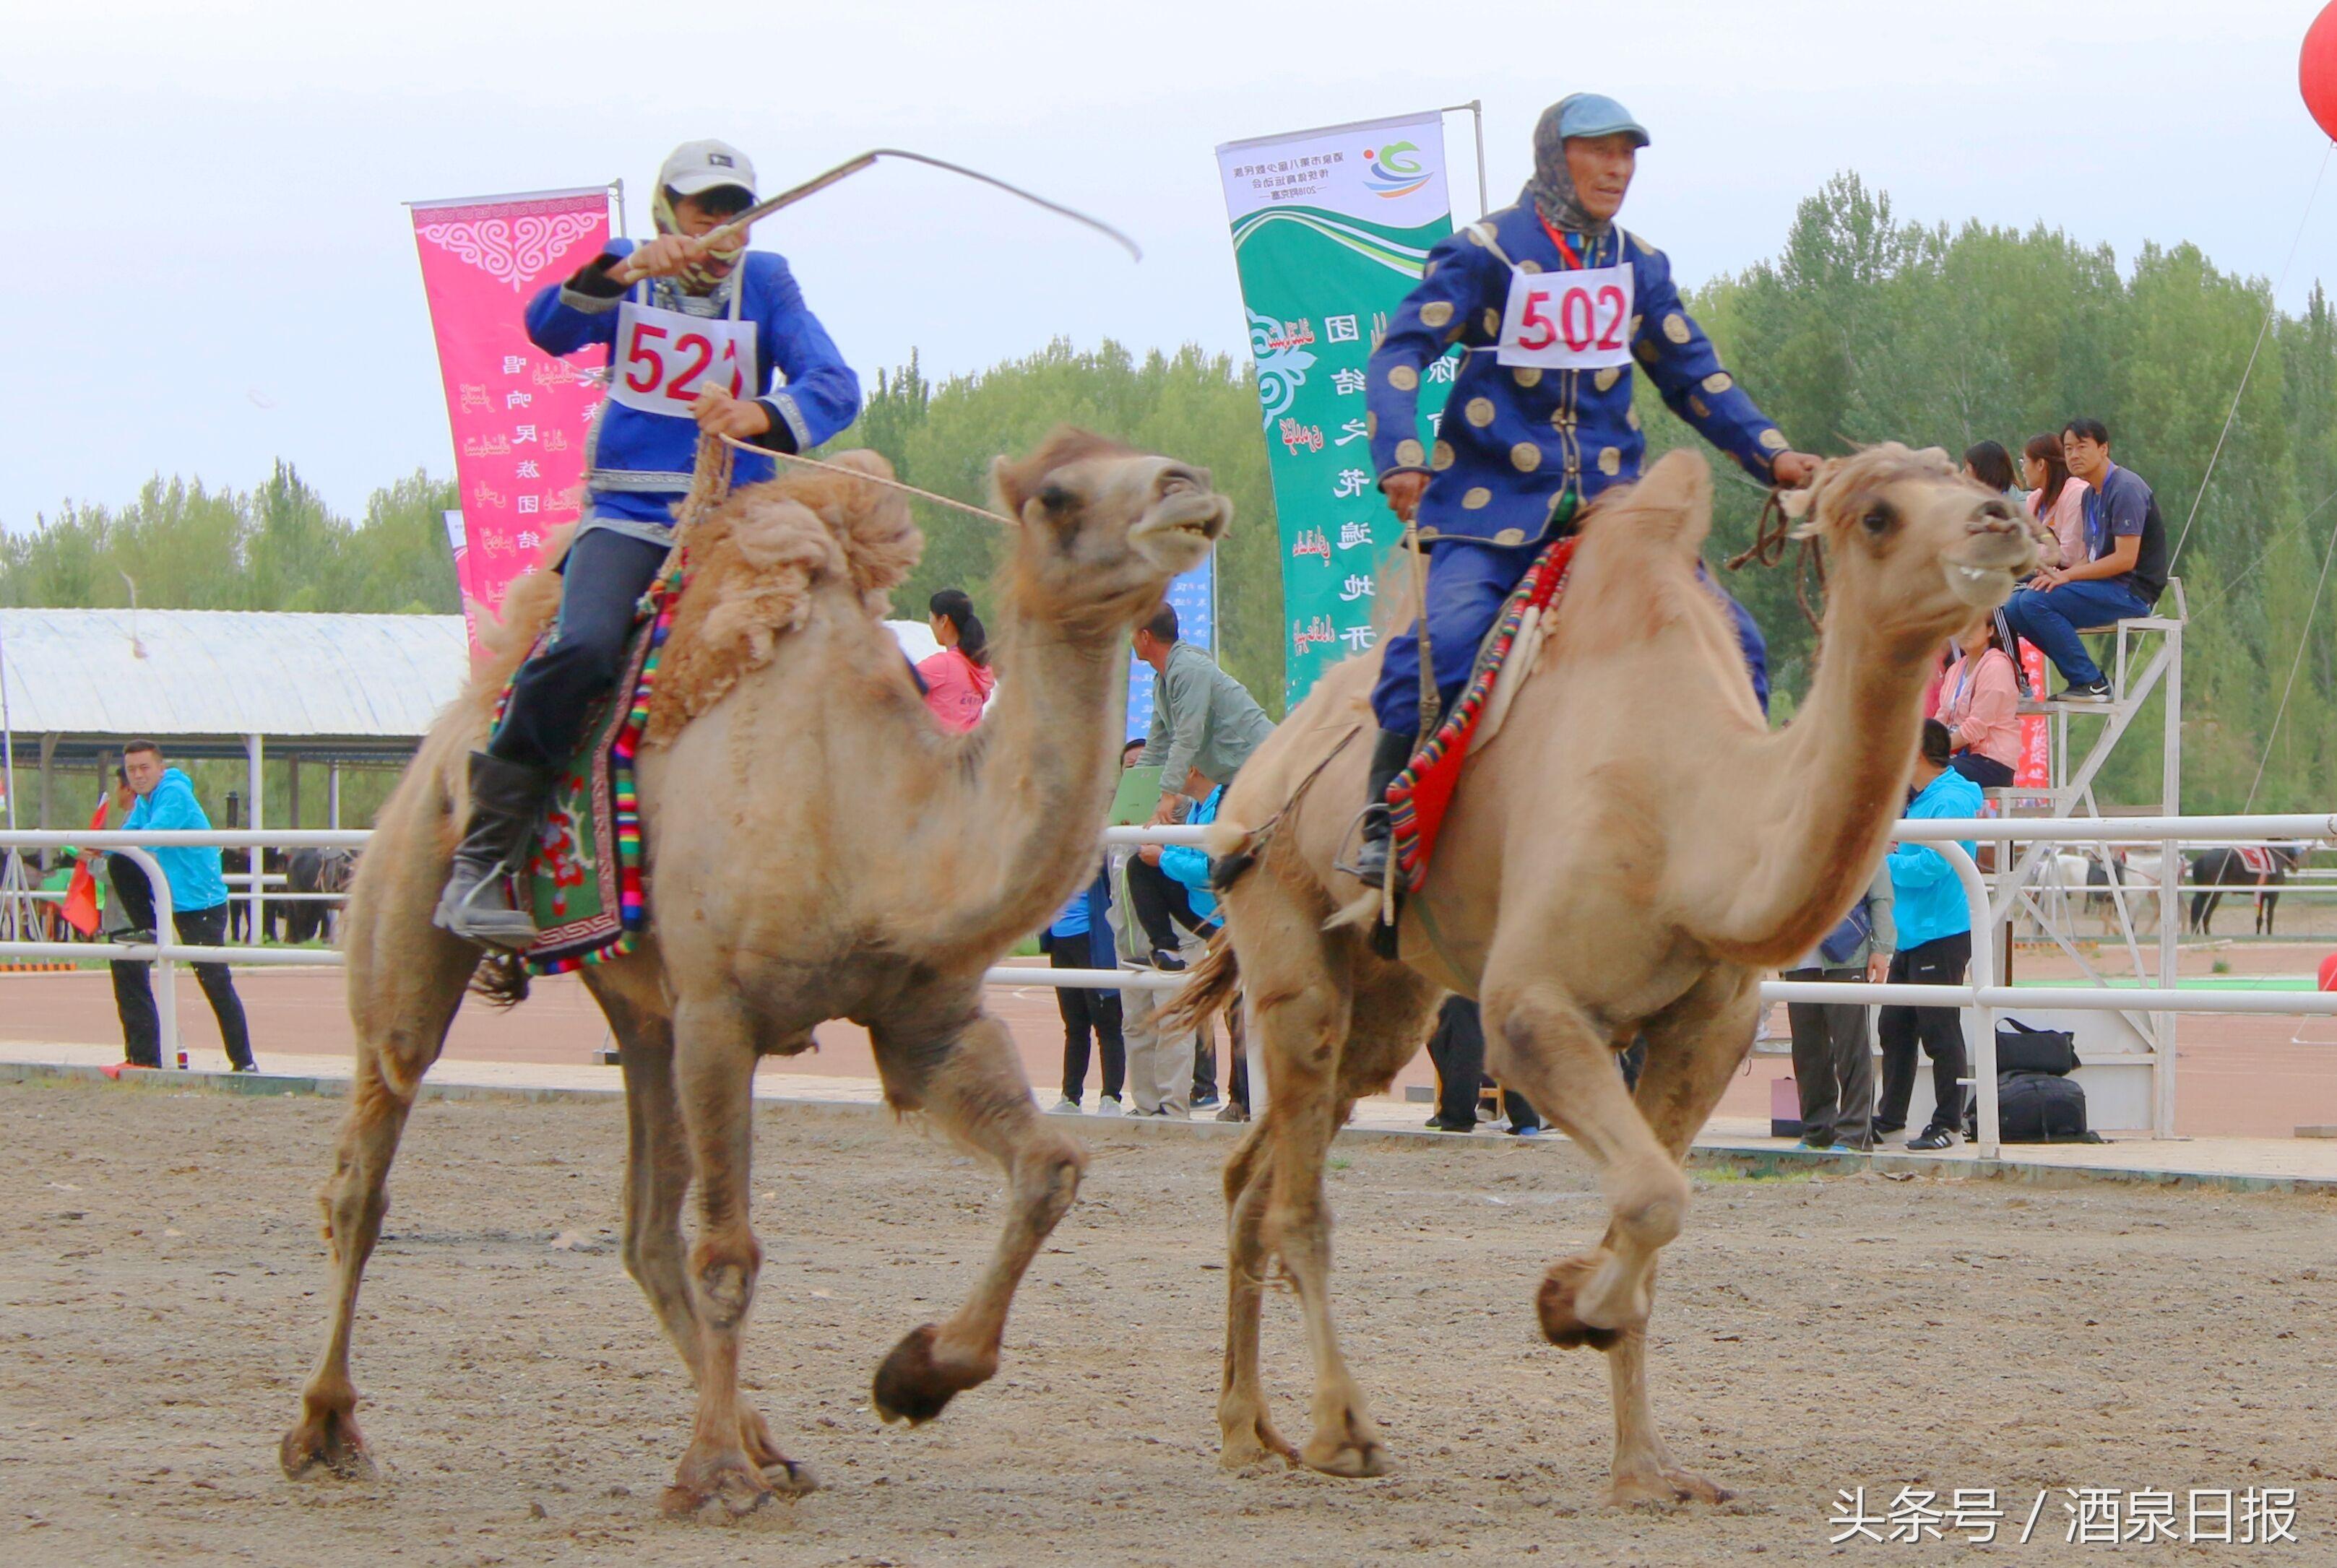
[714, 1063]
[657, 1179]
[975, 1090]
[1246, 1432]
[1545, 1045]
[402, 1000]
[1692, 1054]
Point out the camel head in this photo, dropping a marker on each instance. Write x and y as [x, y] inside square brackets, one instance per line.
[1101, 528]
[1914, 551]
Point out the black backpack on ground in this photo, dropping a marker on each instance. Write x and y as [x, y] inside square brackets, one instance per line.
[2036, 1108]
[2022, 1049]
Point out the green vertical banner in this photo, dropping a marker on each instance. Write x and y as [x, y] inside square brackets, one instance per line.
[1331, 229]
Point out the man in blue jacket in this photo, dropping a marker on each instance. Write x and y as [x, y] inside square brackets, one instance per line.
[700, 339]
[166, 801]
[1551, 303]
[1935, 945]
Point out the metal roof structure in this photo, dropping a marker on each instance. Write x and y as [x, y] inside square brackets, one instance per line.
[324, 685]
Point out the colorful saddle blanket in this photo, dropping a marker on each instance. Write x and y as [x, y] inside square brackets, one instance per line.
[1421, 794]
[2257, 859]
[585, 886]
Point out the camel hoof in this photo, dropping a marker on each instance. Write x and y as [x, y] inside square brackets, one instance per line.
[790, 1479]
[1664, 1488]
[328, 1440]
[1245, 1443]
[730, 1480]
[1561, 1325]
[1357, 1458]
[911, 1385]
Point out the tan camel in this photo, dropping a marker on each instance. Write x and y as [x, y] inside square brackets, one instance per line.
[820, 849]
[1628, 854]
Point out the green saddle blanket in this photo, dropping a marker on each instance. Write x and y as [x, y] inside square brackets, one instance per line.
[585, 885]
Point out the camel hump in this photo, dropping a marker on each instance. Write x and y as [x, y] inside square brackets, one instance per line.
[1673, 504]
[757, 564]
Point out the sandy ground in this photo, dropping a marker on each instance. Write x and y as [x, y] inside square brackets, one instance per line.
[160, 1280]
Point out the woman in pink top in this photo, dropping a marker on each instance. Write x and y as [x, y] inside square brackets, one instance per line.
[1979, 701]
[958, 679]
[2057, 502]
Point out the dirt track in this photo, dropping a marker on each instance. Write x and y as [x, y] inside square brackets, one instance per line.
[160, 1270]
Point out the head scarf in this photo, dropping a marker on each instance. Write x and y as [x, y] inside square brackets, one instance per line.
[1551, 186]
[697, 278]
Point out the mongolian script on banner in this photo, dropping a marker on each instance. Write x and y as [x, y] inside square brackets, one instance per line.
[1331, 229]
[519, 416]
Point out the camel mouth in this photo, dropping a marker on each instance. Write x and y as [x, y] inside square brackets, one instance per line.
[1991, 567]
[1176, 534]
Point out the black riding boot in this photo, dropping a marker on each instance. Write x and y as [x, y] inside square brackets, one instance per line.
[476, 905]
[1393, 750]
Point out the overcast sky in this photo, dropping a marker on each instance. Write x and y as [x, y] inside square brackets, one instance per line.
[211, 267]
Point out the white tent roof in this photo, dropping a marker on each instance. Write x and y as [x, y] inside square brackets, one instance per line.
[173, 673]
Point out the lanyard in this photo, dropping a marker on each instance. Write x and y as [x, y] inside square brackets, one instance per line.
[1566, 251]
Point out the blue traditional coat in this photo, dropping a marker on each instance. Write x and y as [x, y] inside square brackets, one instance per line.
[1520, 446]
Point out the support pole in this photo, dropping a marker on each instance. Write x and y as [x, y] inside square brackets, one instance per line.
[2170, 902]
[292, 789]
[332, 795]
[256, 762]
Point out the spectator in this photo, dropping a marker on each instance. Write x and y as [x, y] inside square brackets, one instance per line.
[1458, 1049]
[958, 679]
[1159, 1072]
[166, 801]
[2057, 502]
[1988, 463]
[1833, 1068]
[1934, 932]
[2121, 576]
[1201, 716]
[1187, 868]
[1979, 701]
[1087, 1014]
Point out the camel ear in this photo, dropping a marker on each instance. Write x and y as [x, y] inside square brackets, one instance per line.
[1007, 498]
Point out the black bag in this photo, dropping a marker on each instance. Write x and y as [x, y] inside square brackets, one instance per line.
[2022, 1049]
[2036, 1108]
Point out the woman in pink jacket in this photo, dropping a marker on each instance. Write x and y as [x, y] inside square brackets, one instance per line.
[1979, 701]
[2057, 502]
[958, 679]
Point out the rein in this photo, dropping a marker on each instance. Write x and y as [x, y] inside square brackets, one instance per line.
[1773, 533]
[848, 474]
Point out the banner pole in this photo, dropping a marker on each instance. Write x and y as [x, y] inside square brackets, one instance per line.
[617, 187]
[1475, 110]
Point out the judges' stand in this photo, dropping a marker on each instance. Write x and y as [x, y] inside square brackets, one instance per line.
[2130, 890]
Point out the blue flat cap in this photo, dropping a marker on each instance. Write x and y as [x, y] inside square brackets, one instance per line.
[1596, 115]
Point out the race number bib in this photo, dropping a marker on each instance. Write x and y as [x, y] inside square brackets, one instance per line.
[665, 359]
[1568, 320]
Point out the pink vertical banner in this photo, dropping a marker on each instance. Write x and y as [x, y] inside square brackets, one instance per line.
[519, 416]
[2035, 771]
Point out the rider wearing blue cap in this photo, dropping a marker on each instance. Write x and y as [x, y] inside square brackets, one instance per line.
[1551, 303]
[702, 338]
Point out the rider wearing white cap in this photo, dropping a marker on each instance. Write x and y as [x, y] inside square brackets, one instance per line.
[701, 338]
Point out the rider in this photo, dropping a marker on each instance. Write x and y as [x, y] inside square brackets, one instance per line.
[1540, 418]
[695, 334]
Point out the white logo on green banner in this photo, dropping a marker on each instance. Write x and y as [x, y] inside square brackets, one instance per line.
[1331, 229]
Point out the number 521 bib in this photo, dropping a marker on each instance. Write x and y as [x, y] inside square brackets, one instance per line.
[1578, 320]
[664, 359]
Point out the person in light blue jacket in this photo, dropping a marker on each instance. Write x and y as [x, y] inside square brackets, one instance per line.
[1935, 947]
[166, 803]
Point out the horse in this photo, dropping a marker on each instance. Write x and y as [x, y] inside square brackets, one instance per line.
[313, 870]
[2228, 866]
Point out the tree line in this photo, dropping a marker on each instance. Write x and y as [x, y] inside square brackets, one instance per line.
[1861, 328]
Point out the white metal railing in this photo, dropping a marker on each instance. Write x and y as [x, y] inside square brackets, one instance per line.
[1982, 994]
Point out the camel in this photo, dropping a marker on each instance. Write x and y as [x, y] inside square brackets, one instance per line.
[1627, 856]
[819, 849]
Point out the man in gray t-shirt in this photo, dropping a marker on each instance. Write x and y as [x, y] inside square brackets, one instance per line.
[1202, 717]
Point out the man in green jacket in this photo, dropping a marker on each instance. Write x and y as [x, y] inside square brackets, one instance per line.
[1202, 717]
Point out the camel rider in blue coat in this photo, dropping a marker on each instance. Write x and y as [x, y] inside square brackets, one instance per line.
[1549, 303]
[700, 339]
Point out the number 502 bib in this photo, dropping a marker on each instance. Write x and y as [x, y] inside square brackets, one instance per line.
[1569, 320]
[665, 359]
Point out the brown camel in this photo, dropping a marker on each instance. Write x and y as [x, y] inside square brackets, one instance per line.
[1628, 855]
[820, 849]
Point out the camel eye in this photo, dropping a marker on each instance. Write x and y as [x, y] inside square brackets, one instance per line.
[1055, 498]
[1879, 518]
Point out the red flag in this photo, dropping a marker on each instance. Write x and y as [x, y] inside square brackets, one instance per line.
[81, 890]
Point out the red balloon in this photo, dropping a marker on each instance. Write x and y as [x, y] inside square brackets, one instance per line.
[2316, 70]
[2328, 973]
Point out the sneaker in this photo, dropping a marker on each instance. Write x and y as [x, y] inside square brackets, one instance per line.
[1525, 1132]
[1207, 1101]
[1162, 958]
[1108, 1105]
[245, 1068]
[1066, 1106]
[1439, 1125]
[1816, 1145]
[144, 936]
[2099, 691]
[1847, 1149]
[1235, 1111]
[1932, 1139]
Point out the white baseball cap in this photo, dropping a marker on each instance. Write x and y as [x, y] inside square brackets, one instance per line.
[695, 168]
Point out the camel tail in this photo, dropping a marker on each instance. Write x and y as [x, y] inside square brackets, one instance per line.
[1210, 987]
[501, 979]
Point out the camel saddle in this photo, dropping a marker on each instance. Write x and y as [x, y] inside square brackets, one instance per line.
[1422, 791]
[584, 885]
